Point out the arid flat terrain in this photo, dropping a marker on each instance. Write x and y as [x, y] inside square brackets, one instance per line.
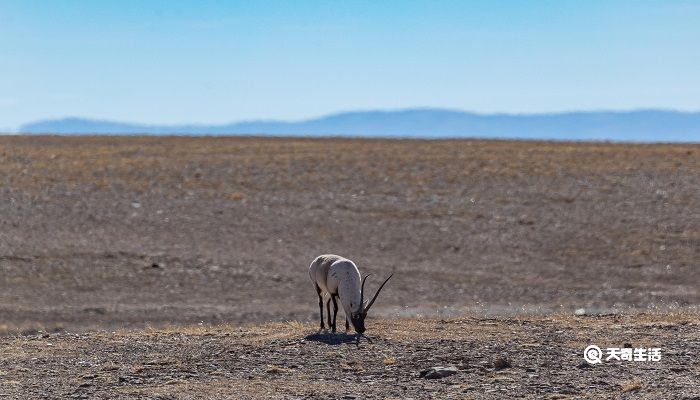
[514, 357]
[119, 232]
[102, 234]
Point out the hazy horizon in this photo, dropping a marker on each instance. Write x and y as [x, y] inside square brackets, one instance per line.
[358, 110]
[429, 123]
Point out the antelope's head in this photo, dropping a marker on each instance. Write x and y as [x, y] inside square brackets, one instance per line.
[358, 318]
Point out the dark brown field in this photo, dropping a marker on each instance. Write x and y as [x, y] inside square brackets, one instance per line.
[114, 233]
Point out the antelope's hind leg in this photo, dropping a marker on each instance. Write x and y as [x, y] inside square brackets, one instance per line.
[328, 311]
[320, 305]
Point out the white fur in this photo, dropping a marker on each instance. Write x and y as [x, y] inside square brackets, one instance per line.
[336, 275]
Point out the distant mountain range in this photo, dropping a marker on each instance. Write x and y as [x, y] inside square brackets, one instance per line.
[640, 125]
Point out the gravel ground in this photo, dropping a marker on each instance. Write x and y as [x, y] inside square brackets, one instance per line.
[118, 232]
[516, 357]
[142, 267]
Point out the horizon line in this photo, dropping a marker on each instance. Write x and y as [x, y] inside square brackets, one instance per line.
[356, 111]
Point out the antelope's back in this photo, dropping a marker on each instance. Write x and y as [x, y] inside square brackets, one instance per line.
[343, 276]
[318, 270]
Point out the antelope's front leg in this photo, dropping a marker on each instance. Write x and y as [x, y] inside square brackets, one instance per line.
[335, 312]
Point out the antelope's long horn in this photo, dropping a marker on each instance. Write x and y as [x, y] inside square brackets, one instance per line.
[362, 291]
[377, 294]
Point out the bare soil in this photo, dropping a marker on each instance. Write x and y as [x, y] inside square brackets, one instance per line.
[516, 357]
[99, 234]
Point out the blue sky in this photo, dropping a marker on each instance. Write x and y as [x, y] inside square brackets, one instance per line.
[221, 61]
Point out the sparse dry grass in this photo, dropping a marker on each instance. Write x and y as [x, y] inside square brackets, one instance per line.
[231, 167]
[231, 223]
[543, 356]
[632, 386]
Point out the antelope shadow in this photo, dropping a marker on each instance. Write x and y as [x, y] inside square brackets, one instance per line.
[333, 338]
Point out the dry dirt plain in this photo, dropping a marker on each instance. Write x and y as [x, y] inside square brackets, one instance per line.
[504, 357]
[196, 239]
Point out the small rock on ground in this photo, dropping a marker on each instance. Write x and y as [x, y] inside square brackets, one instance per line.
[438, 372]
